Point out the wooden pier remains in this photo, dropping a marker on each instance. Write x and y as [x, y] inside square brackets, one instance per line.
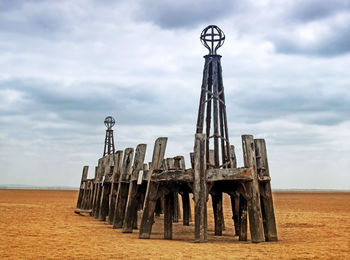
[124, 184]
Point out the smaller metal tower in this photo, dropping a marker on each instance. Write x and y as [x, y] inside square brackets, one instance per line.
[109, 140]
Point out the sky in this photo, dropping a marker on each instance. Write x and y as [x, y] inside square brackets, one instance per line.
[66, 65]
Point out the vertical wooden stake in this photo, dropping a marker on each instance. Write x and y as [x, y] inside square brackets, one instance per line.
[268, 213]
[243, 220]
[200, 188]
[82, 186]
[152, 189]
[254, 208]
[114, 184]
[235, 212]
[130, 218]
[186, 208]
[168, 216]
[123, 188]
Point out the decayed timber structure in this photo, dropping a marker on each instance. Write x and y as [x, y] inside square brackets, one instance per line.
[125, 185]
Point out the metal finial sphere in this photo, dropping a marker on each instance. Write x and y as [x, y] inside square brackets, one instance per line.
[109, 122]
[212, 37]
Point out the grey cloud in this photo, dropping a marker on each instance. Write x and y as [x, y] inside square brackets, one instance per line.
[336, 42]
[306, 106]
[170, 14]
[317, 9]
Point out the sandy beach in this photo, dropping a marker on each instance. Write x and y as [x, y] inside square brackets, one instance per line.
[37, 224]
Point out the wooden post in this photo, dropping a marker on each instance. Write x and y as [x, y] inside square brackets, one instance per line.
[268, 213]
[130, 218]
[97, 184]
[123, 188]
[152, 189]
[106, 187]
[114, 184]
[235, 212]
[233, 157]
[234, 197]
[243, 220]
[200, 188]
[82, 186]
[254, 208]
[186, 208]
[168, 216]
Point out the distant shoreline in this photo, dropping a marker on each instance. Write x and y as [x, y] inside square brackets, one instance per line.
[29, 187]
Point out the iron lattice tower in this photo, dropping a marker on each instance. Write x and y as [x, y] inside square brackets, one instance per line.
[109, 140]
[212, 106]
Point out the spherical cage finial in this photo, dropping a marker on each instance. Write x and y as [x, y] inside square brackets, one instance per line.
[109, 122]
[212, 37]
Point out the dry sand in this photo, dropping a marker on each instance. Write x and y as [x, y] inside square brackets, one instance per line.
[38, 224]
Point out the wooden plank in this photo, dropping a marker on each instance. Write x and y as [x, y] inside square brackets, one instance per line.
[130, 215]
[254, 205]
[123, 188]
[173, 175]
[200, 188]
[82, 186]
[233, 174]
[152, 189]
[268, 213]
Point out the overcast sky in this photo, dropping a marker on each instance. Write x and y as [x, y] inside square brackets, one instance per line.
[66, 65]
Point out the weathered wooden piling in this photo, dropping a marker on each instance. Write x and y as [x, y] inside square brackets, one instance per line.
[152, 189]
[200, 189]
[254, 205]
[268, 214]
[114, 184]
[122, 190]
[82, 186]
[130, 213]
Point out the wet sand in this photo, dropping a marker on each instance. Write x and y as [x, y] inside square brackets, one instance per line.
[38, 224]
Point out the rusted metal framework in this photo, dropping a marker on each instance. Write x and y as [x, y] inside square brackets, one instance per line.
[109, 140]
[212, 105]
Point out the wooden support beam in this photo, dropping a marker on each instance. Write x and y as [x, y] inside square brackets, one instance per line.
[176, 207]
[123, 188]
[168, 216]
[235, 212]
[200, 188]
[186, 208]
[130, 216]
[268, 213]
[254, 208]
[83, 186]
[216, 198]
[152, 189]
[243, 219]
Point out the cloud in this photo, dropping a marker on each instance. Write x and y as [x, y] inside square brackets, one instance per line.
[305, 11]
[66, 65]
[170, 14]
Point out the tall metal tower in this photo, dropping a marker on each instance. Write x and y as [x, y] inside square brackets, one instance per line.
[109, 140]
[212, 101]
